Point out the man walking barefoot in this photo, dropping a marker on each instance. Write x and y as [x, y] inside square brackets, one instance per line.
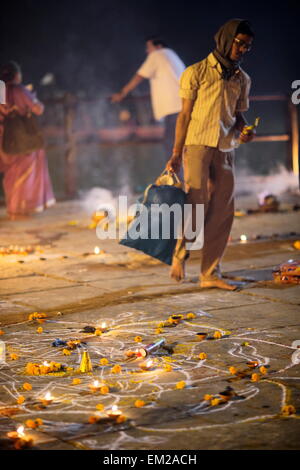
[215, 93]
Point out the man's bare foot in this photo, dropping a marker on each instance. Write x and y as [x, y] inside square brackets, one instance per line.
[219, 283]
[177, 270]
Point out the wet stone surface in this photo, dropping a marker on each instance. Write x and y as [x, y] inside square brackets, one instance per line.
[257, 326]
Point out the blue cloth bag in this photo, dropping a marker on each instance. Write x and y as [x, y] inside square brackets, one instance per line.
[158, 246]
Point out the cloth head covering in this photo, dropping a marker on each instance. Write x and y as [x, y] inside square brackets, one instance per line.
[9, 71]
[224, 39]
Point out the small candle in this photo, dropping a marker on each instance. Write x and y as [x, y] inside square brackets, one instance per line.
[46, 367]
[19, 433]
[96, 385]
[103, 327]
[243, 238]
[201, 336]
[147, 365]
[97, 250]
[20, 438]
[48, 399]
[114, 412]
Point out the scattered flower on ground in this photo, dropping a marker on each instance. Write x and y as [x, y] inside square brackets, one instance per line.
[180, 385]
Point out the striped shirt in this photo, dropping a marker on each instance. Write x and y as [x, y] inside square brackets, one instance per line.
[216, 103]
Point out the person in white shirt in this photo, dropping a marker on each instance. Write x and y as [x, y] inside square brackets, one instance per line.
[163, 69]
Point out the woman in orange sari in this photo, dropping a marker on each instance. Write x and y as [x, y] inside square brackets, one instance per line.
[26, 181]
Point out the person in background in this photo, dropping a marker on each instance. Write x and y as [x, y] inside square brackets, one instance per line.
[26, 182]
[163, 69]
[215, 93]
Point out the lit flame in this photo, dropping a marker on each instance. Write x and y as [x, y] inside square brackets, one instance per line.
[46, 364]
[115, 408]
[97, 250]
[103, 325]
[96, 383]
[20, 431]
[243, 238]
[149, 363]
[48, 396]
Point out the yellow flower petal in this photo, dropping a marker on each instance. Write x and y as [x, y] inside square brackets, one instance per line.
[217, 335]
[180, 385]
[190, 316]
[76, 381]
[288, 410]
[255, 377]
[202, 356]
[104, 361]
[14, 356]
[215, 402]
[27, 386]
[139, 403]
[207, 397]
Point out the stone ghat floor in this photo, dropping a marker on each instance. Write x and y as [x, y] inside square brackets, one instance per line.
[133, 295]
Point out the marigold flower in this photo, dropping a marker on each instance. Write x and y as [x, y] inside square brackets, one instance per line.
[296, 244]
[215, 402]
[245, 343]
[93, 419]
[180, 385]
[98, 332]
[233, 370]
[190, 316]
[168, 368]
[116, 369]
[139, 403]
[288, 410]
[27, 386]
[100, 407]
[121, 419]
[2, 332]
[20, 399]
[207, 397]
[158, 331]
[202, 356]
[263, 370]
[160, 325]
[36, 316]
[66, 352]
[104, 390]
[30, 423]
[39, 329]
[104, 361]
[14, 356]
[254, 377]
[138, 339]
[217, 335]
[76, 381]
[39, 421]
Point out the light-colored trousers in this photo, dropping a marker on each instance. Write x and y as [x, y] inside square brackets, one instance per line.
[209, 180]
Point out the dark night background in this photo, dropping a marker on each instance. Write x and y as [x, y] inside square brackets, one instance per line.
[96, 46]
